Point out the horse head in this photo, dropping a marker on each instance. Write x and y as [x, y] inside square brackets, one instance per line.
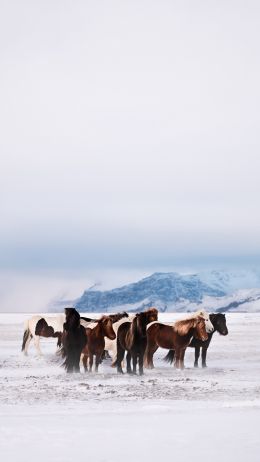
[107, 326]
[152, 315]
[140, 321]
[72, 319]
[203, 314]
[200, 329]
[219, 322]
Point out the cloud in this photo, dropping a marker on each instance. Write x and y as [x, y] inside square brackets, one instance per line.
[129, 136]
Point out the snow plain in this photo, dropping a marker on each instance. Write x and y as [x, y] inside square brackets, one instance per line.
[211, 413]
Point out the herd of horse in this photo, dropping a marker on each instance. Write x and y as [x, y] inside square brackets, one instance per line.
[137, 335]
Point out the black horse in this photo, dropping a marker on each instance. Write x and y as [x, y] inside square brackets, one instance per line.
[219, 323]
[73, 339]
[131, 337]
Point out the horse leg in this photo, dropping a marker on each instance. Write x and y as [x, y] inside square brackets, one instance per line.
[27, 343]
[141, 363]
[37, 344]
[119, 358]
[90, 362]
[128, 363]
[98, 361]
[134, 363]
[177, 358]
[197, 355]
[182, 358]
[149, 352]
[203, 356]
[85, 362]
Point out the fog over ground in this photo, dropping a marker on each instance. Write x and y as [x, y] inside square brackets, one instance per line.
[129, 141]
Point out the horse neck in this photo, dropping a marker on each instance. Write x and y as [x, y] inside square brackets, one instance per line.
[108, 332]
[98, 330]
[189, 334]
[213, 319]
[117, 317]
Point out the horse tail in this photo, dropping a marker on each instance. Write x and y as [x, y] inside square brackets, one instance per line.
[169, 357]
[61, 352]
[26, 334]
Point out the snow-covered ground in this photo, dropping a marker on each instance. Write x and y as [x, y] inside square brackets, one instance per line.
[212, 413]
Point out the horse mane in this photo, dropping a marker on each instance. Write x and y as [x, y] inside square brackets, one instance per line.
[183, 326]
[117, 316]
[72, 319]
[103, 318]
[132, 330]
[152, 310]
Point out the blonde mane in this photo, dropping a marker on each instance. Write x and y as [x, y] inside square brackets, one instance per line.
[183, 326]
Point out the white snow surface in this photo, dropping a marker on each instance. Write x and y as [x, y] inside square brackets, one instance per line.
[46, 414]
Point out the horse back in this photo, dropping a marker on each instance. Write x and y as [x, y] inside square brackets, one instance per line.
[122, 334]
[164, 336]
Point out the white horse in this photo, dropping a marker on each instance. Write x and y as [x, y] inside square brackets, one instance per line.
[56, 322]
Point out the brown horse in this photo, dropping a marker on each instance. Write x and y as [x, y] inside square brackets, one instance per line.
[131, 337]
[218, 321]
[96, 341]
[176, 337]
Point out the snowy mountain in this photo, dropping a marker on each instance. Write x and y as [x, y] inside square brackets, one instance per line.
[216, 290]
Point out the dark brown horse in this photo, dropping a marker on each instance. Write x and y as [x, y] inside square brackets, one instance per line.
[131, 337]
[177, 337]
[218, 321]
[73, 340]
[102, 328]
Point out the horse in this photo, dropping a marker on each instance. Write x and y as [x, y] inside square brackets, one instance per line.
[219, 323]
[177, 337]
[41, 326]
[74, 339]
[111, 345]
[131, 337]
[96, 342]
[110, 349]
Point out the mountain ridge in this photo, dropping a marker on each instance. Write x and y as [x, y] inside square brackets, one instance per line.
[172, 291]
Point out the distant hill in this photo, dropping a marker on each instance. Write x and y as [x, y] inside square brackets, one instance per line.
[222, 291]
[214, 290]
[159, 289]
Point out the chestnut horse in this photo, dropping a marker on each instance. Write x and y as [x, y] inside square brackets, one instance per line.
[74, 339]
[176, 337]
[131, 337]
[103, 327]
[219, 323]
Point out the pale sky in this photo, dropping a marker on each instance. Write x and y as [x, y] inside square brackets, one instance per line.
[129, 137]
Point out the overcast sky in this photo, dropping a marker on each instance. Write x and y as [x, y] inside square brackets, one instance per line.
[129, 136]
